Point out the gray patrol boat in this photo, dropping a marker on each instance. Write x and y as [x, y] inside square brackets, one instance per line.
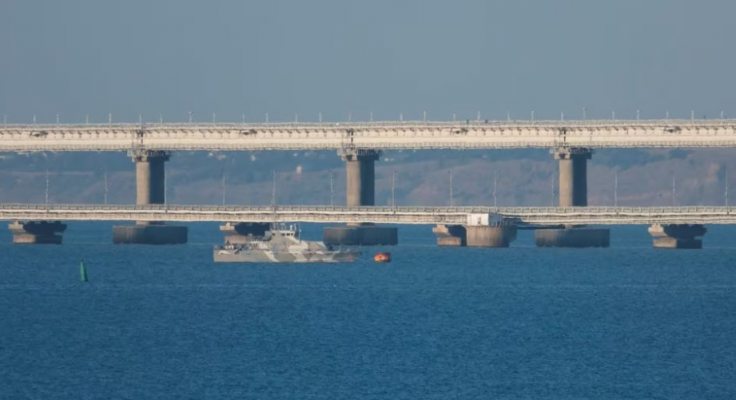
[281, 244]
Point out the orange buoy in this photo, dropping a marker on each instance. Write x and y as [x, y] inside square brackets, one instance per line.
[382, 257]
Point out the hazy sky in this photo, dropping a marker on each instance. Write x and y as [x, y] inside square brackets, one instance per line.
[231, 57]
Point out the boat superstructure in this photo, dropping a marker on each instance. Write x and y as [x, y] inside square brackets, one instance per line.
[281, 243]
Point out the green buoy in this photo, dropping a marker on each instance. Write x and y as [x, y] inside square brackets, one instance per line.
[83, 271]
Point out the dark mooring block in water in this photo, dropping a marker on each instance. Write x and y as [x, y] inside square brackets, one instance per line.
[37, 232]
[450, 235]
[677, 236]
[244, 232]
[573, 237]
[150, 234]
[361, 235]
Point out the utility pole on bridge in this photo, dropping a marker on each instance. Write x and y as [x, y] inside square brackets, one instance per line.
[452, 200]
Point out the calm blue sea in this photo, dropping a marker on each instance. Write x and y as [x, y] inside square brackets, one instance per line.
[626, 322]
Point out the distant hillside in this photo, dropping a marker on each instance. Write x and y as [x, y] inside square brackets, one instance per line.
[524, 177]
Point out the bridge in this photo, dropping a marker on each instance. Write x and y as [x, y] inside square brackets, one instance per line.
[369, 135]
[520, 216]
[672, 227]
[360, 145]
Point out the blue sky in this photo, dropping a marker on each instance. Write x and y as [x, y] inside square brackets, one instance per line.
[280, 57]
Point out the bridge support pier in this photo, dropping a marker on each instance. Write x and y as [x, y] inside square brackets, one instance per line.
[243, 232]
[490, 236]
[450, 235]
[36, 232]
[150, 177]
[573, 189]
[677, 236]
[361, 189]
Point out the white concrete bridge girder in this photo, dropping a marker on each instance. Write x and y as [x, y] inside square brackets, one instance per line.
[398, 215]
[379, 135]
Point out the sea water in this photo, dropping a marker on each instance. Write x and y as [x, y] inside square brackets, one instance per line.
[627, 322]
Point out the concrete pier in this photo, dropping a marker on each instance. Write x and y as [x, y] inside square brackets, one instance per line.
[490, 236]
[677, 236]
[150, 178]
[573, 192]
[360, 167]
[361, 191]
[573, 176]
[450, 235]
[36, 232]
[481, 230]
[244, 232]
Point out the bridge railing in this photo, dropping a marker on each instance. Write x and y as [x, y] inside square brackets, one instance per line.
[387, 124]
[512, 211]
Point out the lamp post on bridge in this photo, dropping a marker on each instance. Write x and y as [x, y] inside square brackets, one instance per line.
[393, 190]
[166, 190]
[332, 188]
[273, 191]
[47, 186]
[495, 181]
[552, 190]
[223, 187]
[452, 200]
[615, 189]
[104, 197]
[673, 189]
[725, 194]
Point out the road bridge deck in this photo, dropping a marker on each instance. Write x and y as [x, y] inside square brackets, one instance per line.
[374, 135]
[389, 215]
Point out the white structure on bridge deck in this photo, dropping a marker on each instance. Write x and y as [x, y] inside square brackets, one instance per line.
[374, 135]
[390, 215]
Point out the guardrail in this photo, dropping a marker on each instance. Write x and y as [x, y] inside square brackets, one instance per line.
[381, 209]
[390, 124]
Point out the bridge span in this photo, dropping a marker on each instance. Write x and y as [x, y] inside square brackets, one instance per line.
[369, 135]
[360, 145]
[671, 227]
[520, 216]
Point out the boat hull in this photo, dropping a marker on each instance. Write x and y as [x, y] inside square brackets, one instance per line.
[260, 256]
